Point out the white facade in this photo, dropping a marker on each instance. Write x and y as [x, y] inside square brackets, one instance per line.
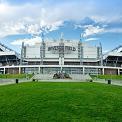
[33, 51]
[90, 52]
[62, 51]
[72, 57]
[52, 49]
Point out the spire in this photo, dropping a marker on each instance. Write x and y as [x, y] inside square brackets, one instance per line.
[22, 53]
[101, 55]
[42, 36]
[81, 37]
[62, 35]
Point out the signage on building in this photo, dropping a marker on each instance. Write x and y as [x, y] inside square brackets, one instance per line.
[65, 48]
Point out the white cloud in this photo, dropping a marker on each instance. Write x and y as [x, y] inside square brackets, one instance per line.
[92, 39]
[107, 19]
[28, 19]
[105, 51]
[91, 30]
[44, 16]
[27, 41]
[11, 28]
[114, 30]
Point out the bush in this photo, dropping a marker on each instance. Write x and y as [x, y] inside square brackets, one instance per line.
[5, 76]
[117, 77]
[61, 76]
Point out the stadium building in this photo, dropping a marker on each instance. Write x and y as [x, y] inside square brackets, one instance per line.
[72, 57]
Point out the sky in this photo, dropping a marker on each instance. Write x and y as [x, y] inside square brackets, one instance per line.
[97, 21]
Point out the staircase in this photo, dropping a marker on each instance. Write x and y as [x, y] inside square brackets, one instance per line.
[77, 77]
[42, 77]
[80, 77]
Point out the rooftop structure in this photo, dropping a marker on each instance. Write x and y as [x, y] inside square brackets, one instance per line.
[70, 56]
[8, 56]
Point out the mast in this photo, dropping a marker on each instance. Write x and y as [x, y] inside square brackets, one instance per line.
[80, 49]
[101, 55]
[61, 51]
[42, 49]
[22, 53]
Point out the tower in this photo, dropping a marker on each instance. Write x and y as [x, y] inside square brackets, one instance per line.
[101, 55]
[22, 53]
[61, 51]
[42, 49]
[80, 50]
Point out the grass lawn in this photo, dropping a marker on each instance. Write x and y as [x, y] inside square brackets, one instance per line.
[60, 102]
[114, 77]
[11, 76]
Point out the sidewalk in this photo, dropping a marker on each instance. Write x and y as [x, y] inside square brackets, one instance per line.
[11, 81]
[113, 82]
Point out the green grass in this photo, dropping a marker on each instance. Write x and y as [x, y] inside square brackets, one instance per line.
[116, 77]
[60, 102]
[7, 76]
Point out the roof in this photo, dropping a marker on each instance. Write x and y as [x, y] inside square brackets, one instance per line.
[4, 50]
[115, 52]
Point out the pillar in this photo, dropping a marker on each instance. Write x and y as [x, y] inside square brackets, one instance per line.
[103, 71]
[4, 72]
[39, 70]
[19, 70]
[83, 70]
[118, 71]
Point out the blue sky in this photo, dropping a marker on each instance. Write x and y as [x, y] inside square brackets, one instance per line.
[25, 20]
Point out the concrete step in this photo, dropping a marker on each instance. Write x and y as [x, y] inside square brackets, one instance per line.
[80, 77]
[50, 77]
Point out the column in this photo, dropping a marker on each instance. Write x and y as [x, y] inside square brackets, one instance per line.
[83, 70]
[103, 71]
[118, 71]
[19, 70]
[39, 70]
[4, 71]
